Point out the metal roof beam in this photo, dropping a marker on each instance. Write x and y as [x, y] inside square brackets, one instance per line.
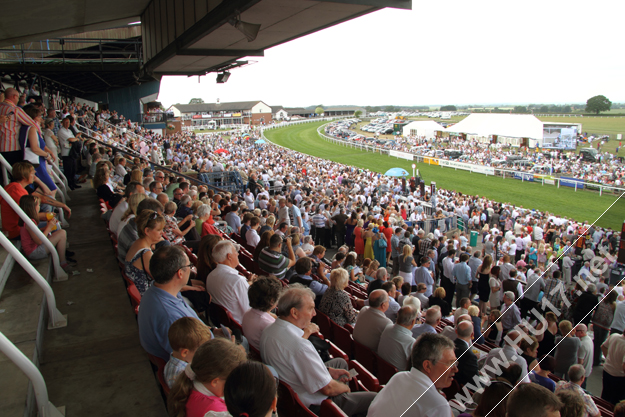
[221, 52]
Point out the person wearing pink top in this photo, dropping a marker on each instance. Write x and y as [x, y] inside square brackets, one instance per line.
[200, 388]
[263, 295]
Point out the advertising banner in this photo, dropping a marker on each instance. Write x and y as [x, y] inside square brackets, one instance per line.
[402, 155]
[571, 182]
[430, 161]
[524, 176]
[467, 167]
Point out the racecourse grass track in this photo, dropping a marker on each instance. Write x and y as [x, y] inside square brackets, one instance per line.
[580, 205]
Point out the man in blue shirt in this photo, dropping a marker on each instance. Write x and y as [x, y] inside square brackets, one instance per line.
[162, 303]
[395, 249]
[433, 318]
[462, 274]
[424, 275]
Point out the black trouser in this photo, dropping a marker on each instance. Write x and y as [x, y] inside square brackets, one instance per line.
[327, 238]
[450, 289]
[12, 158]
[320, 235]
[340, 238]
[69, 169]
[517, 255]
[526, 306]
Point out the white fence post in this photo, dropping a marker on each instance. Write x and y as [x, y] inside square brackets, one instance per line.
[44, 407]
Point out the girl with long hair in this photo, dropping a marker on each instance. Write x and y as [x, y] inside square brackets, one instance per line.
[200, 388]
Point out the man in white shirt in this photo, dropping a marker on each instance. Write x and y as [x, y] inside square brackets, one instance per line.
[285, 346]
[251, 236]
[226, 287]
[415, 393]
[396, 341]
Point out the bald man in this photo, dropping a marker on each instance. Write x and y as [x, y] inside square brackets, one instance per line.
[507, 353]
[467, 361]
[14, 118]
[586, 351]
[372, 321]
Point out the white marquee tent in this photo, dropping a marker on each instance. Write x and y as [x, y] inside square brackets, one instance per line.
[504, 126]
[427, 128]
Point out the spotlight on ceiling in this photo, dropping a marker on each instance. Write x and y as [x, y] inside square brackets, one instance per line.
[250, 30]
[223, 77]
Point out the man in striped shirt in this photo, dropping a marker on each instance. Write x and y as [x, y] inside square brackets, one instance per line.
[10, 129]
[272, 261]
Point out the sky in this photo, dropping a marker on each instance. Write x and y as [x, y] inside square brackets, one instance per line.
[439, 53]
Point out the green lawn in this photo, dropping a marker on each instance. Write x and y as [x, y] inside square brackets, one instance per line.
[580, 205]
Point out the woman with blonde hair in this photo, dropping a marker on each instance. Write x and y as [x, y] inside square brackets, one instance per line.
[133, 202]
[406, 262]
[438, 299]
[335, 302]
[542, 255]
[200, 388]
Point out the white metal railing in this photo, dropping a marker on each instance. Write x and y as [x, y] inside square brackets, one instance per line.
[55, 318]
[58, 271]
[544, 179]
[44, 407]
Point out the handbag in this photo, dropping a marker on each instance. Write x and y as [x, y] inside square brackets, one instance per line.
[381, 243]
[29, 155]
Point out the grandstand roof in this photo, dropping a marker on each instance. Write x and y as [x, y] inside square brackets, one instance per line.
[510, 125]
[213, 107]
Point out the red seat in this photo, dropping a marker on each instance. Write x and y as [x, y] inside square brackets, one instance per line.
[255, 354]
[335, 352]
[219, 315]
[329, 409]
[451, 391]
[343, 339]
[289, 403]
[603, 403]
[385, 370]
[365, 356]
[325, 327]
[367, 378]
[349, 328]
[160, 367]
[135, 296]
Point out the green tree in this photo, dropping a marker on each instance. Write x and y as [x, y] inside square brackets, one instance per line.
[544, 109]
[519, 109]
[196, 101]
[357, 114]
[319, 110]
[567, 109]
[448, 108]
[598, 104]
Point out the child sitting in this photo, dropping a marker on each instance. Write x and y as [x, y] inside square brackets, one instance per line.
[185, 335]
[32, 246]
[200, 388]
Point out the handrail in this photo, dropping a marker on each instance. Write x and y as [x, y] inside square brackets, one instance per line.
[55, 319]
[60, 274]
[133, 153]
[44, 406]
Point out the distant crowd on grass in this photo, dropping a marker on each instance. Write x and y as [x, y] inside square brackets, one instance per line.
[609, 170]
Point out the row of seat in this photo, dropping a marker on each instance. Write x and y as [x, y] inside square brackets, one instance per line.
[289, 402]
